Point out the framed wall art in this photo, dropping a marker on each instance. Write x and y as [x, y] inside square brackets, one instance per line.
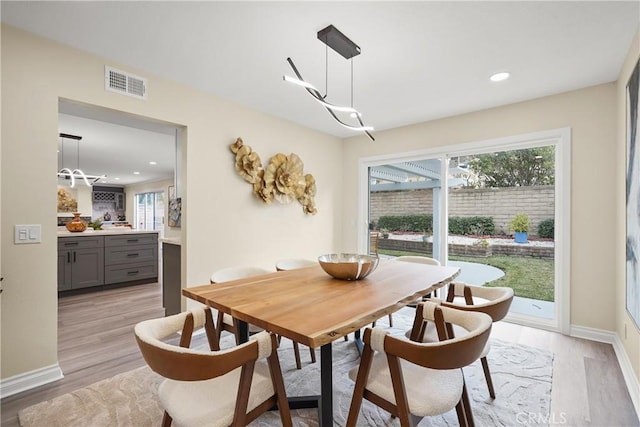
[633, 196]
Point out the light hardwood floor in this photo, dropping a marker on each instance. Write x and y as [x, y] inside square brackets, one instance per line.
[96, 341]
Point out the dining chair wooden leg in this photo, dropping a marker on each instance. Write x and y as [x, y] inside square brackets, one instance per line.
[278, 386]
[219, 324]
[462, 417]
[166, 420]
[487, 377]
[312, 352]
[296, 353]
[390, 320]
[361, 383]
[467, 406]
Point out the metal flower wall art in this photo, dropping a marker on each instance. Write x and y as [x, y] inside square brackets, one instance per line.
[282, 180]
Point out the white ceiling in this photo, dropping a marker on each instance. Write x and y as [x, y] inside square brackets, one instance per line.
[115, 150]
[420, 60]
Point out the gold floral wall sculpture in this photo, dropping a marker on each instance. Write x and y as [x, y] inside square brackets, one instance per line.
[282, 180]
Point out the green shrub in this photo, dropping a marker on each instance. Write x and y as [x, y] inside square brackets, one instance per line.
[466, 226]
[546, 228]
[471, 225]
[415, 223]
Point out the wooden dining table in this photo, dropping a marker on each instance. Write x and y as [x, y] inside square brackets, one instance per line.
[309, 306]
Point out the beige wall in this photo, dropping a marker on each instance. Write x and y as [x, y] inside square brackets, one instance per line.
[591, 115]
[624, 322]
[223, 224]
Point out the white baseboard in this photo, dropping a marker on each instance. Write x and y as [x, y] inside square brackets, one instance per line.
[633, 384]
[29, 380]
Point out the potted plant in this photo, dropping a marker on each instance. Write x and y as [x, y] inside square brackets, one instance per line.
[520, 226]
[426, 234]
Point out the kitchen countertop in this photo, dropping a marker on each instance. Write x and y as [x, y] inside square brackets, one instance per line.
[108, 231]
[172, 240]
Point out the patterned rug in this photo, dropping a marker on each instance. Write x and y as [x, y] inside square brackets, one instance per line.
[521, 376]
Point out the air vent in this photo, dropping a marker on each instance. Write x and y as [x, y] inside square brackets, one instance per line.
[124, 83]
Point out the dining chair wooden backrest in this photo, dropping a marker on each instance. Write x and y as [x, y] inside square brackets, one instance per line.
[384, 377]
[493, 301]
[205, 386]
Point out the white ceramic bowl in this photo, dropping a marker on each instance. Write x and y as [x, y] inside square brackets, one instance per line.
[348, 266]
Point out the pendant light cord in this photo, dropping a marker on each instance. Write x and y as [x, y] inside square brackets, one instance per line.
[326, 70]
[351, 82]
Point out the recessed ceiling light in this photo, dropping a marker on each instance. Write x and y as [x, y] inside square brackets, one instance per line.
[153, 163]
[116, 178]
[136, 173]
[498, 77]
[103, 181]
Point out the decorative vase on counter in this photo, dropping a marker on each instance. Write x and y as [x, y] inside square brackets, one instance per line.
[76, 225]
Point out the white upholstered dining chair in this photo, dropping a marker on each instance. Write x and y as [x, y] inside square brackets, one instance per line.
[213, 388]
[413, 380]
[493, 301]
[293, 263]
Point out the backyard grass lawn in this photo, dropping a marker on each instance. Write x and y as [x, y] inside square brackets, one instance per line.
[528, 277]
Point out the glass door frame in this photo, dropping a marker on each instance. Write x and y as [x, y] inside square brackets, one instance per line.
[561, 140]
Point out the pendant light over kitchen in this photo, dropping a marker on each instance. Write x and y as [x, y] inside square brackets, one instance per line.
[77, 173]
[337, 41]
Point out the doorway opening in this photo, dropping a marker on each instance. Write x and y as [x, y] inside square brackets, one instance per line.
[138, 155]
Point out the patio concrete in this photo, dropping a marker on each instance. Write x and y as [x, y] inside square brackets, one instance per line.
[475, 273]
[478, 274]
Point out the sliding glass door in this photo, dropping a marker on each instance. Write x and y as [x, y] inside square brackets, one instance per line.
[150, 211]
[499, 210]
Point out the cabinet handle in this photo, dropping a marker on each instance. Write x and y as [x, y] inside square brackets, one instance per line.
[132, 273]
[68, 257]
[132, 240]
[132, 255]
[71, 244]
[74, 256]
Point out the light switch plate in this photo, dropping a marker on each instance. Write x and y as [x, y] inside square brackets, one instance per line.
[28, 233]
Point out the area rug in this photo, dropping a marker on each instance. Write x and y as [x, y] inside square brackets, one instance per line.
[521, 376]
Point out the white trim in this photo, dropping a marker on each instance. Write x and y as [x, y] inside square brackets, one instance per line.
[29, 380]
[599, 335]
[633, 384]
[560, 138]
[592, 334]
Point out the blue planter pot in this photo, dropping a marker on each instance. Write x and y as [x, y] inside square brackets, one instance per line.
[521, 236]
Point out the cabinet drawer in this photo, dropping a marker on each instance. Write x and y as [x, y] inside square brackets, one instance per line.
[80, 242]
[126, 273]
[130, 254]
[131, 239]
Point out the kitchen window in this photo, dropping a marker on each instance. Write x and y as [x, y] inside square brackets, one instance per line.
[150, 211]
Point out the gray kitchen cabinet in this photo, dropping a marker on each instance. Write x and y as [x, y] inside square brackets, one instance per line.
[80, 262]
[131, 257]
